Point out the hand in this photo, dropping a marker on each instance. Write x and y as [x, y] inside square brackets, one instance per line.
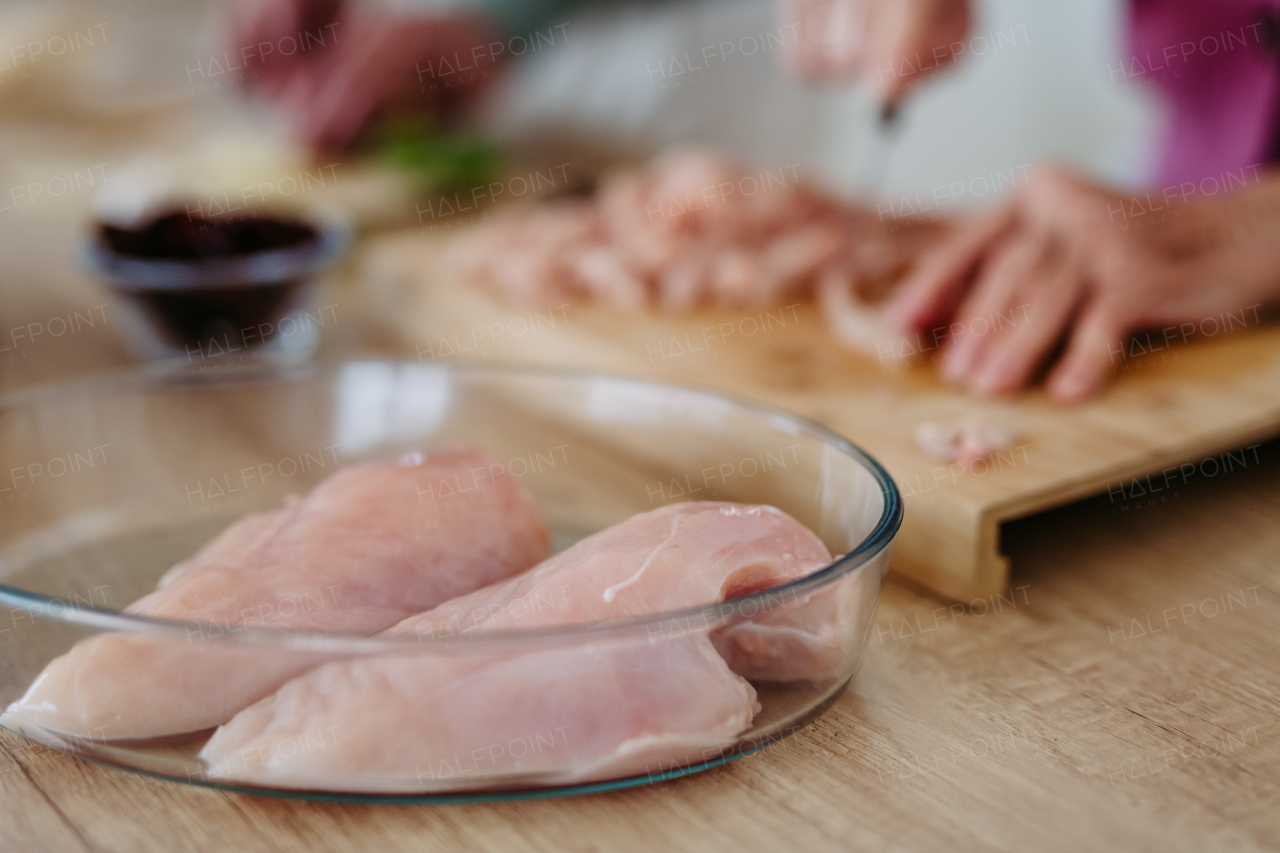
[373, 62]
[890, 43]
[1067, 261]
[266, 35]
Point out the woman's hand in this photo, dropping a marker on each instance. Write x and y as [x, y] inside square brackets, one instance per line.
[890, 43]
[1069, 262]
[267, 36]
[373, 61]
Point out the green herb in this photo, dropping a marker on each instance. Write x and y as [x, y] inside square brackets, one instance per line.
[438, 160]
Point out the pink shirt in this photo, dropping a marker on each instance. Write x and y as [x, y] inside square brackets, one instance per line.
[1217, 64]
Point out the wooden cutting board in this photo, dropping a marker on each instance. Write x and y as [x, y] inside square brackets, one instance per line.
[1171, 416]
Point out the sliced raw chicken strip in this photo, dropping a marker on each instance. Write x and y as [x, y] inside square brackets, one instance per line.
[667, 698]
[689, 229]
[692, 230]
[856, 325]
[367, 547]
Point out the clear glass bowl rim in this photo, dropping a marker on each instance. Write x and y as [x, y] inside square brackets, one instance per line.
[161, 376]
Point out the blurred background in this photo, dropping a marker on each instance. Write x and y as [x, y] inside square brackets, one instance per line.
[143, 93]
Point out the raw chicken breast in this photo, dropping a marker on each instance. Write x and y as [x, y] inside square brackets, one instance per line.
[625, 707]
[705, 552]
[677, 556]
[367, 547]
[810, 638]
[436, 723]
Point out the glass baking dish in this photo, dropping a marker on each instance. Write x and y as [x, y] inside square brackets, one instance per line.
[110, 482]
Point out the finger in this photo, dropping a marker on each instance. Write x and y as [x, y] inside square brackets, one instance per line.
[280, 81]
[254, 22]
[930, 293]
[259, 28]
[296, 90]
[1083, 369]
[1058, 198]
[909, 40]
[829, 35]
[885, 26]
[257, 20]
[349, 91]
[802, 54]
[315, 14]
[1038, 323]
[844, 38]
[1008, 269]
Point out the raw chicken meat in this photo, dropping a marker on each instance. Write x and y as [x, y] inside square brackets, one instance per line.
[688, 230]
[676, 556]
[852, 322]
[706, 552]
[966, 442]
[367, 547]
[404, 724]
[810, 638]
[691, 230]
[624, 706]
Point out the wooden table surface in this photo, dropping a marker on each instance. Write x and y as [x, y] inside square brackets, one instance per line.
[1124, 696]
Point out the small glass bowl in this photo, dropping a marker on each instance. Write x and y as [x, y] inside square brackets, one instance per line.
[223, 309]
[112, 481]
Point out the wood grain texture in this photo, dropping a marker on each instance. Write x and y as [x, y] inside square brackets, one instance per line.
[1180, 404]
[1078, 719]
